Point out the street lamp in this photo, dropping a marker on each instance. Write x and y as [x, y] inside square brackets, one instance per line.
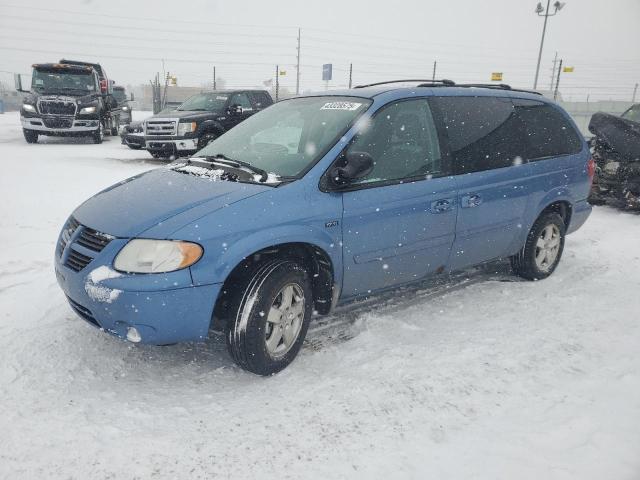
[545, 13]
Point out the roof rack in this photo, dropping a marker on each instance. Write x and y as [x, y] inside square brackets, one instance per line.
[496, 86]
[428, 82]
[451, 83]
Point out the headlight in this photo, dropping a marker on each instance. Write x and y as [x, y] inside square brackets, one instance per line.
[125, 108]
[157, 256]
[87, 110]
[28, 108]
[187, 127]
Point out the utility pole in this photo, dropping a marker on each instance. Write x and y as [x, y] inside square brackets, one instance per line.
[298, 66]
[555, 92]
[214, 78]
[351, 76]
[277, 80]
[434, 69]
[553, 72]
[635, 90]
[539, 9]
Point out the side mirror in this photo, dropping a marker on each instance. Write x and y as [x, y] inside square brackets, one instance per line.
[235, 109]
[17, 80]
[132, 97]
[353, 166]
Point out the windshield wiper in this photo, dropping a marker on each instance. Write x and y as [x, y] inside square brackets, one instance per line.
[192, 109]
[223, 159]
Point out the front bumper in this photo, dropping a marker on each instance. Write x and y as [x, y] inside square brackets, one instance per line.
[171, 145]
[164, 308]
[133, 139]
[76, 125]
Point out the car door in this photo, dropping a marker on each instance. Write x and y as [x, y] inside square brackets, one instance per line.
[398, 222]
[485, 139]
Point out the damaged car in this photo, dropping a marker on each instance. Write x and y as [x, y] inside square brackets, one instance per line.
[616, 151]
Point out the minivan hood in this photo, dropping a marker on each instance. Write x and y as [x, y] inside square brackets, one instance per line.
[132, 206]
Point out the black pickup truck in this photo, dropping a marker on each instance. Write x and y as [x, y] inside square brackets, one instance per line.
[68, 98]
[199, 120]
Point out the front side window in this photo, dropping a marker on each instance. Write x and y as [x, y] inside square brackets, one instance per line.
[206, 102]
[483, 132]
[289, 136]
[403, 142]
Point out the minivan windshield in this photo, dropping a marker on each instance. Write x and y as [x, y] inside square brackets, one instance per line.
[289, 136]
[211, 102]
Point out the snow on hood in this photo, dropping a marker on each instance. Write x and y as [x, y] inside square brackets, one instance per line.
[132, 206]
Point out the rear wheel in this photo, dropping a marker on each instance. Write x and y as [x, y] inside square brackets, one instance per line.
[31, 136]
[269, 317]
[98, 135]
[543, 248]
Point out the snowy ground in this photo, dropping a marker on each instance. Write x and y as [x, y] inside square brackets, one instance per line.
[480, 377]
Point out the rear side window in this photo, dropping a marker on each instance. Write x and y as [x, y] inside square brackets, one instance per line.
[549, 133]
[484, 133]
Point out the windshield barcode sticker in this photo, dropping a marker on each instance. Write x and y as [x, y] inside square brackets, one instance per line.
[341, 106]
[221, 97]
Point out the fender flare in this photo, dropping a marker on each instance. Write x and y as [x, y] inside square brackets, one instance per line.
[234, 254]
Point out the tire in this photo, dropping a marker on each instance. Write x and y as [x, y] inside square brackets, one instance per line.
[157, 155]
[205, 139]
[98, 135]
[542, 250]
[275, 300]
[115, 126]
[31, 136]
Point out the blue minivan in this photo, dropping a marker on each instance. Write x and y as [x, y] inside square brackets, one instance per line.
[322, 199]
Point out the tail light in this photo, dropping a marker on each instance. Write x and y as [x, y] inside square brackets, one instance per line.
[591, 168]
[103, 86]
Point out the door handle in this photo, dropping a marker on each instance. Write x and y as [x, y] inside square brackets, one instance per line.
[470, 201]
[441, 206]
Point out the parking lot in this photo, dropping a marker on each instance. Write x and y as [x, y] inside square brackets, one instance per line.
[480, 376]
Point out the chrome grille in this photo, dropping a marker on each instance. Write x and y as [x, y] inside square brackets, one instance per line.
[68, 230]
[57, 122]
[76, 261]
[161, 126]
[75, 235]
[56, 107]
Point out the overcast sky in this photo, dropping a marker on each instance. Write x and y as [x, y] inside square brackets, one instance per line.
[384, 40]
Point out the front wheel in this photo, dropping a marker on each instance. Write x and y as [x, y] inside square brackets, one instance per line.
[98, 135]
[542, 250]
[269, 317]
[115, 126]
[31, 136]
[205, 139]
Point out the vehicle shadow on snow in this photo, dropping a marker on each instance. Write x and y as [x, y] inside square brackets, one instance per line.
[342, 325]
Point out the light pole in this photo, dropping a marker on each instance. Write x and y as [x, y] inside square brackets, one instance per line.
[539, 10]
